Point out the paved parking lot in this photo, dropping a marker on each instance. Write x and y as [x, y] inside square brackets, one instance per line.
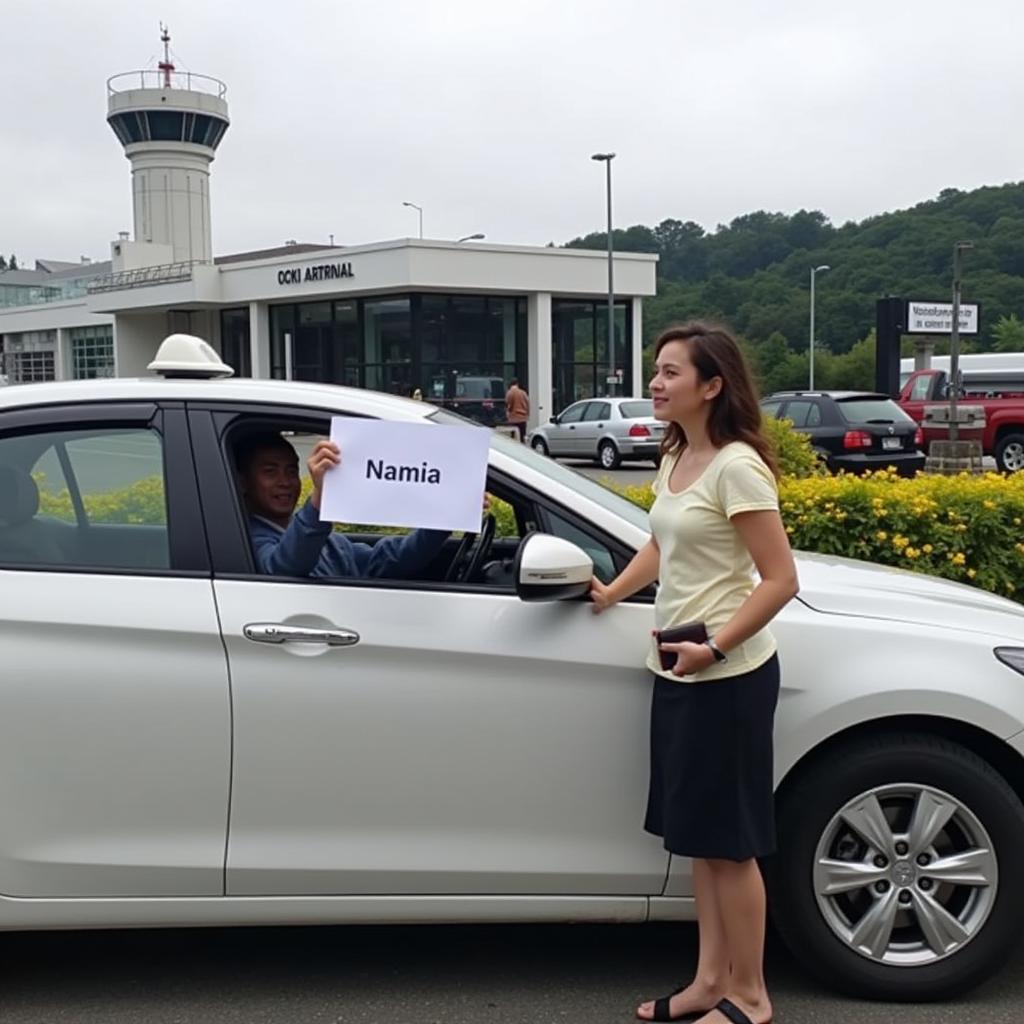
[425, 975]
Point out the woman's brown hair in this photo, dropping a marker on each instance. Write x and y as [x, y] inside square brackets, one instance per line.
[735, 413]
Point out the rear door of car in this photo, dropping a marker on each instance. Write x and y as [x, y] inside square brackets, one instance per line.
[114, 709]
[891, 429]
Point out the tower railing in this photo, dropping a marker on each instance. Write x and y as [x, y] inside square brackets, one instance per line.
[159, 79]
[140, 277]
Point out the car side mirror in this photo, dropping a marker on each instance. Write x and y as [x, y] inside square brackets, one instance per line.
[549, 568]
[554, 419]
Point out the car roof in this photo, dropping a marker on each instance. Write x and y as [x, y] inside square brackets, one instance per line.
[839, 396]
[357, 401]
[615, 400]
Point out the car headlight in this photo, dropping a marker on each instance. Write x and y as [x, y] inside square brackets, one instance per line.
[1012, 656]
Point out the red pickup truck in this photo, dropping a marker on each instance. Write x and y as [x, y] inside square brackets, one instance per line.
[1002, 400]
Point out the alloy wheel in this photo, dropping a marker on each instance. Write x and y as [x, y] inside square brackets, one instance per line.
[1012, 457]
[905, 875]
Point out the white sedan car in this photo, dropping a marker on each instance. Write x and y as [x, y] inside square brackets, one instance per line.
[184, 741]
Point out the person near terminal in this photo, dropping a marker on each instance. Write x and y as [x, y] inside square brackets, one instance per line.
[714, 520]
[290, 543]
[517, 407]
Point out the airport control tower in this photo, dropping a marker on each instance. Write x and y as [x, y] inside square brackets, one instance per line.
[170, 123]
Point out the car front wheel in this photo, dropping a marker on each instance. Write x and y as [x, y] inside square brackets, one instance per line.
[898, 873]
[539, 445]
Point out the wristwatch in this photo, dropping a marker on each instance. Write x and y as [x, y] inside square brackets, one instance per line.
[717, 651]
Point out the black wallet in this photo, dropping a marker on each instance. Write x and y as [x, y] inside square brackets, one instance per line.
[688, 632]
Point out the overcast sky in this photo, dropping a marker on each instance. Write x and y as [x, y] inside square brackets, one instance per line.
[485, 113]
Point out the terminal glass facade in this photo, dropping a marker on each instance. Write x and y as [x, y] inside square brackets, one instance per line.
[30, 357]
[234, 340]
[92, 352]
[579, 340]
[453, 348]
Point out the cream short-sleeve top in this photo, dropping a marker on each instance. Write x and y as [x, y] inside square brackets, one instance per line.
[705, 570]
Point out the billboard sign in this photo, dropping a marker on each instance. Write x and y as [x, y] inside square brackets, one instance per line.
[937, 317]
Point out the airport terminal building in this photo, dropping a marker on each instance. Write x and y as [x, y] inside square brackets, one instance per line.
[456, 320]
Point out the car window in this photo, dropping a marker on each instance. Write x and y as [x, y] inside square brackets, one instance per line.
[872, 410]
[84, 498]
[798, 411]
[600, 555]
[636, 410]
[921, 388]
[554, 470]
[770, 409]
[597, 411]
[574, 413]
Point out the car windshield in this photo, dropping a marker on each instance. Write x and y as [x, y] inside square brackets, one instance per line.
[638, 409]
[633, 514]
[872, 410]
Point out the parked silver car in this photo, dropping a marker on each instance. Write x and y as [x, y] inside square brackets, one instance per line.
[607, 430]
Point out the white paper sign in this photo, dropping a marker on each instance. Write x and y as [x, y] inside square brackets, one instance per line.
[407, 474]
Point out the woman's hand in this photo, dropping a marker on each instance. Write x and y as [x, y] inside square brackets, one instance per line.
[324, 456]
[599, 594]
[690, 657]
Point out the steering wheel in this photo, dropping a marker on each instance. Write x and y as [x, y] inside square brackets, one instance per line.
[480, 543]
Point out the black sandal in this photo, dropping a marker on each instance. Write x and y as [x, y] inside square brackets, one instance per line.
[728, 1009]
[663, 1012]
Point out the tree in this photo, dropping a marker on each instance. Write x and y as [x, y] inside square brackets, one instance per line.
[1008, 334]
[3, 263]
[12, 263]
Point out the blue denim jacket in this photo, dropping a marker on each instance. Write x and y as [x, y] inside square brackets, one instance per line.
[309, 547]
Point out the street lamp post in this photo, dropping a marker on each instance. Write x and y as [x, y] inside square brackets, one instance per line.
[419, 210]
[954, 340]
[607, 159]
[471, 238]
[814, 271]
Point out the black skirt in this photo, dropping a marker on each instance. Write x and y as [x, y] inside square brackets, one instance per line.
[711, 792]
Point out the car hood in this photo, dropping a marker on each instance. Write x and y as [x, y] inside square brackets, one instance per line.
[843, 586]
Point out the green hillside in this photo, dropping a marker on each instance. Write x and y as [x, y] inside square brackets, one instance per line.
[754, 271]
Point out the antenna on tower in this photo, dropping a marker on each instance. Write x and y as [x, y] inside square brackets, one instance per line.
[165, 65]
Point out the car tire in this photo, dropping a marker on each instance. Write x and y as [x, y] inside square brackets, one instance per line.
[819, 927]
[538, 444]
[608, 455]
[1009, 453]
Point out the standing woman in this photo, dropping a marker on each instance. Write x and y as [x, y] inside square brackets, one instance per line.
[714, 520]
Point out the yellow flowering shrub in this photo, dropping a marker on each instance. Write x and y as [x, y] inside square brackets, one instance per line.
[793, 450]
[142, 503]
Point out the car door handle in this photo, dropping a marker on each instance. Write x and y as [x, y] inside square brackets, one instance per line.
[278, 633]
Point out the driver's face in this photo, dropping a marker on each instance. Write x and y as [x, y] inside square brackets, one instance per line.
[271, 484]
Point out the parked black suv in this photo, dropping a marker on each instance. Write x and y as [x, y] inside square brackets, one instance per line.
[852, 430]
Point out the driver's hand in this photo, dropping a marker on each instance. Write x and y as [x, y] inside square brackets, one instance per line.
[324, 456]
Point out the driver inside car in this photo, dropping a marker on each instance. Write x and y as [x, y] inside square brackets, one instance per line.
[290, 543]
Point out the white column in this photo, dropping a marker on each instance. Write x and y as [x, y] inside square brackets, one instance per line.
[637, 346]
[538, 354]
[62, 368]
[259, 339]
